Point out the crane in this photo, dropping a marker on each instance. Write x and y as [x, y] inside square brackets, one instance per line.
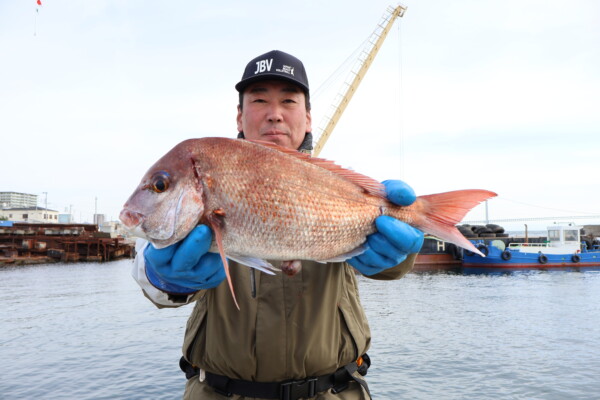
[365, 59]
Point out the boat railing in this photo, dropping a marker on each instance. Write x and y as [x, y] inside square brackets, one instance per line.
[539, 245]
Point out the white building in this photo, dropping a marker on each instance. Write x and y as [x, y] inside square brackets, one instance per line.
[115, 228]
[30, 214]
[17, 200]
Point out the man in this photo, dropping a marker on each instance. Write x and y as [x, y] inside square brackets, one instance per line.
[301, 336]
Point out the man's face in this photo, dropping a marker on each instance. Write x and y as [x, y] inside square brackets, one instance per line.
[274, 111]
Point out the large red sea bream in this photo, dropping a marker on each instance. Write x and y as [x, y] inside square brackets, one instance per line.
[264, 202]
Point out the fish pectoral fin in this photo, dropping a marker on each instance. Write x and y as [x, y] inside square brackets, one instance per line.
[216, 224]
[256, 263]
[352, 253]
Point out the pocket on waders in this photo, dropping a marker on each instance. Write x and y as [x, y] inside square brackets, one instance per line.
[355, 329]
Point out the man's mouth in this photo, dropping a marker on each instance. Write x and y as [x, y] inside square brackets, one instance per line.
[274, 133]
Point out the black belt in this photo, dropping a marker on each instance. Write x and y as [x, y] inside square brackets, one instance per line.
[286, 390]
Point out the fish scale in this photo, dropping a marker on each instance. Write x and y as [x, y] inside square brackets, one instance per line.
[264, 202]
[304, 213]
[289, 226]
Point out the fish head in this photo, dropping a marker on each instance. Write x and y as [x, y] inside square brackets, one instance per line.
[167, 204]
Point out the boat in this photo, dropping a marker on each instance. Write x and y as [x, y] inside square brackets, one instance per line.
[437, 255]
[563, 249]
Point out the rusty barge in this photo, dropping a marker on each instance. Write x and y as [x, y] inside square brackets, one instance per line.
[30, 243]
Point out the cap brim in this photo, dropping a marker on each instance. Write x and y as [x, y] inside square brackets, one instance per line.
[241, 85]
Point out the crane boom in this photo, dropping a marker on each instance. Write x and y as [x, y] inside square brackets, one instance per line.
[365, 60]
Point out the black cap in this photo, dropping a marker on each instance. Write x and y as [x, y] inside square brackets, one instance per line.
[274, 65]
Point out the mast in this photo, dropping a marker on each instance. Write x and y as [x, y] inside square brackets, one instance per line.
[365, 59]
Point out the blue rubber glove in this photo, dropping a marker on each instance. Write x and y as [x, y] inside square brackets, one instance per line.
[394, 239]
[185, 267]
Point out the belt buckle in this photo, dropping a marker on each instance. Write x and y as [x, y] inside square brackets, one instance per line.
[298, 389]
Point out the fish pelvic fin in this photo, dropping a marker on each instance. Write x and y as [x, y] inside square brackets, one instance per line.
[441, 212]
[256, 263]
[216, 223]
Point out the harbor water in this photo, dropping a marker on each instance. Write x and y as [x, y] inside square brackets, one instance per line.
[85, 331]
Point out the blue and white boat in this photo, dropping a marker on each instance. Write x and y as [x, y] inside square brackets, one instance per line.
[562, 250]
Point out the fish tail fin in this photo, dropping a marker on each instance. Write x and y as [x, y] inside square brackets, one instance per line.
[441, 212]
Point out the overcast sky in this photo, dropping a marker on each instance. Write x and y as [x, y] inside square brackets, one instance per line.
[500, 95]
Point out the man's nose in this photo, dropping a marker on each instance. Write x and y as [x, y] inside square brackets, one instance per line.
[274, 114]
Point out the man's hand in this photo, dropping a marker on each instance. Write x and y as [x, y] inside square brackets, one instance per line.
[394, 239]
[185, 267]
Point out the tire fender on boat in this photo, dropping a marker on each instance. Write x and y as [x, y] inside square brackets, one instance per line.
[483, 248]
[455, 251]
[506, 255]
[575, 258]
[542, 259]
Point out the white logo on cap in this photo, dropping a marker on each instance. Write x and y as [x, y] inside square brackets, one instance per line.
[287, 69]
[263, 65]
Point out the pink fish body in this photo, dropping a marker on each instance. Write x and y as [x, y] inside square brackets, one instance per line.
[266, 202]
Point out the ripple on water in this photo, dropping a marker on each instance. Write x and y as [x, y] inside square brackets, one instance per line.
[86, 331]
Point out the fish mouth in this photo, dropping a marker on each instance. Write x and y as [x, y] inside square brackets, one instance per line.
[131, 219]
[133, 222]
[161, 232]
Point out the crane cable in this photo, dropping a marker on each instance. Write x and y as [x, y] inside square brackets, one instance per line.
[400, 115]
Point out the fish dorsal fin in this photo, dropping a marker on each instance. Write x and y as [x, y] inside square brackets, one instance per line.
[369, 185]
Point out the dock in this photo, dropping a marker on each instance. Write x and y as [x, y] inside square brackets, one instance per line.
[31, 243]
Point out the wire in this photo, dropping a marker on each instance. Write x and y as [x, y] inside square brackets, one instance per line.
[340, 69]
[400, 104]
[548, 208]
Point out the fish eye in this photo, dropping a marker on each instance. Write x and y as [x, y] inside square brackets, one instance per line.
[160, 182]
